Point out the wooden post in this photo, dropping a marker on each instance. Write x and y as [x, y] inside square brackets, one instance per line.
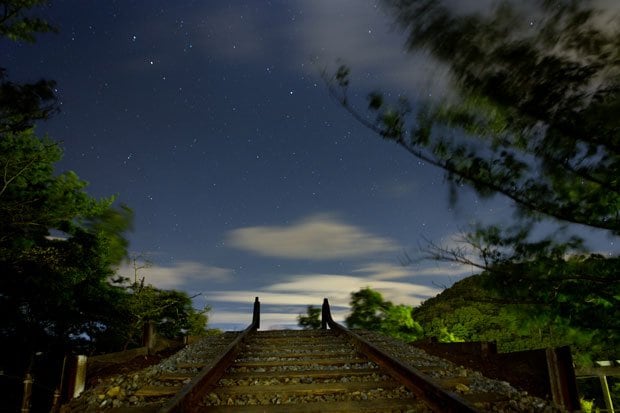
[256, 314]
[76, 376]
[562, 381]
[80, 375]
[325, 314]
[28, 380]
[55, 401]
[488, 348]
[149, 336]
[603, 369]
[609, 405]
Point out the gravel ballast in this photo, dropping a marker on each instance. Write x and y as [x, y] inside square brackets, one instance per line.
[119, 391]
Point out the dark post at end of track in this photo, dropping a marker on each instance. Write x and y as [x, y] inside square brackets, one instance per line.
[256, 314]
[326, 315]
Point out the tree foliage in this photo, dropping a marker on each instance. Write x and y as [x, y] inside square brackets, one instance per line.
[533, 117]
[172, 312]
[473, 310]
[370, 311]
[59, 246]
[17, 21]
[312, 319]
[579, 291]
[535, 112]
[23, 104]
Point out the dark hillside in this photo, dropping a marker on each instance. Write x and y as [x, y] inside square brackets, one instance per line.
[468, 311]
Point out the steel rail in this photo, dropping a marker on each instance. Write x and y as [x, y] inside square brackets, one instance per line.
[417, 382]
[191, 393]
[438, 398]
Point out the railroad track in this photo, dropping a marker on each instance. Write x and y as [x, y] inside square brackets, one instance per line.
[328, 370]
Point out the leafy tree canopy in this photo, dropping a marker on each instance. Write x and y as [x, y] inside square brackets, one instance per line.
[534, 116]
[473, 310]
[58, 245]
[312, 319]
[369, 311]
[17, 21]
[22, 104]
[545, 279]
[171, 311]
[53, 286]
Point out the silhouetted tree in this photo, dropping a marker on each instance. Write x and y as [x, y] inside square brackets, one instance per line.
[312, 319]
[370, 311]
[535, 117]
[47, 279]
[23, 104]
[18, 21]
[171, 311]
[58, 245]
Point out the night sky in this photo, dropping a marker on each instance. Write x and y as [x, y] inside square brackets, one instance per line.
[211, 121]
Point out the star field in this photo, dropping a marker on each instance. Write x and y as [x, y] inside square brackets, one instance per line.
[211, 121]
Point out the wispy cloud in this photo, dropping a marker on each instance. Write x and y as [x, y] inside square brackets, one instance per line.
[182, 275]
[396, 190]
[310, 289]
[457, 243]
[320, 237]
[387, 271]
[395, 283]
[313, 35]
[239, 33]
[303, 290]
[267, 297]
[339, 287]
[365, 37]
